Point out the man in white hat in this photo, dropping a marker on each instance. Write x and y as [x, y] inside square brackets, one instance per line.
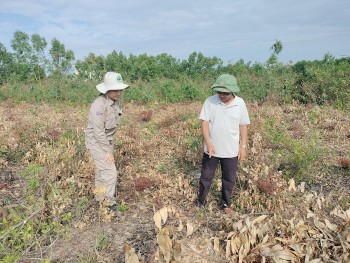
[104, 116]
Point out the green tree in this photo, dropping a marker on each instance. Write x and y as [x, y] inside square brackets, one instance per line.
[38, 58]
[198, 65]
[61, 58]
[92, 67]
[6, 64]
[273, 59]
[20, 44]
[168, 65]
[143, 67]
[29, 55]
[22, 54]
[328, 57]
[277, 47]
[118, 62]
[323, 82]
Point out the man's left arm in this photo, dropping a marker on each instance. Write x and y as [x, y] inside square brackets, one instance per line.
[242, 153]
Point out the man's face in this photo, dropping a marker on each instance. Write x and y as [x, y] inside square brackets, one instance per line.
[225, 96]
[114, 94]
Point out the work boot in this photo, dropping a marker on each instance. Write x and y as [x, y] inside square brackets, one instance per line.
[199, 204]
[114, 210]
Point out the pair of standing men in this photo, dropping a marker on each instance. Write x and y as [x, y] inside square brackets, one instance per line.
[224, 119]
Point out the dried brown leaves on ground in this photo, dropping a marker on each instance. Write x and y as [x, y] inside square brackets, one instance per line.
[290, 202]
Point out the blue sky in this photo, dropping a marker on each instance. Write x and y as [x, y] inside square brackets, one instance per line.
[228, 29]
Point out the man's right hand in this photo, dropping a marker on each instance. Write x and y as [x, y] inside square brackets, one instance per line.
[109, 158]
[211, 150]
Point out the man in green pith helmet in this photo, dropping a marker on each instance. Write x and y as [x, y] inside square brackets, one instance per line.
[224, 120]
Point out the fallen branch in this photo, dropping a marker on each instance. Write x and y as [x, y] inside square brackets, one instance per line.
[21, 223]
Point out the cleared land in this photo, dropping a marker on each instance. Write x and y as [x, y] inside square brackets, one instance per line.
[291, 200]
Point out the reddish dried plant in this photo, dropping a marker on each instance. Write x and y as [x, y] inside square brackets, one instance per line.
[11, 117]
[267, 186]
[297, 131]
[146, 115]
[52, 134]
[3, 214]
[143, 183]
[158, 202]
[170, 121]
[170, 132]
[344, 162]
[131, 133]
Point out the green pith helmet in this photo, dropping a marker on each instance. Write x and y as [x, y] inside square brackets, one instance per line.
[225, 83]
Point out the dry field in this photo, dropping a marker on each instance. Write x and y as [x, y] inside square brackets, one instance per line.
[291, 199]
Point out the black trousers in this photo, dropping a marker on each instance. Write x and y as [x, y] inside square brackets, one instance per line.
[228, 177]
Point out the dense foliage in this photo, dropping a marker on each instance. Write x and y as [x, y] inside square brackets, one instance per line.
[27, 73]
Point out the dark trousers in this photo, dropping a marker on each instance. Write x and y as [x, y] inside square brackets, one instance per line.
[228, 177]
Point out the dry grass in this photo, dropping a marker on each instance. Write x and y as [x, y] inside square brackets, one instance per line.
[276, 219]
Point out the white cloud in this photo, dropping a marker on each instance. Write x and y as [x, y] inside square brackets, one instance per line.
[224, 28]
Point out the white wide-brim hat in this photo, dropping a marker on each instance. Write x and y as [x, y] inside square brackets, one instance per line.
[112, 81]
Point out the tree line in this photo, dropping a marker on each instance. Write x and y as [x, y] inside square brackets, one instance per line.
[163, 77]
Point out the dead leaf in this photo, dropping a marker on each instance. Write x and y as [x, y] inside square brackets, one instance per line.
[189, 229]
[235, 245]
[347, 212]
[177, 250]
[228, 249]
[164, 214]
[229, 235]
[246, 249]
[216, 245]
[266, 170]
[291, 185]
[193, 248]
[180, 227]
[180, 182]
[158, 219]
[316, 260]
[165, 243]
[284, 256]
[130, 255]
[259, 219]
[265, 239]
[330, 225]
[252, 236]
[310, 214]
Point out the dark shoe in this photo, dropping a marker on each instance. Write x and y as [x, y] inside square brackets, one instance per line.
[199, 204]
[113, 208]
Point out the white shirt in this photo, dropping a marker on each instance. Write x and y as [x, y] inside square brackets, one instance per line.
[224, 121]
